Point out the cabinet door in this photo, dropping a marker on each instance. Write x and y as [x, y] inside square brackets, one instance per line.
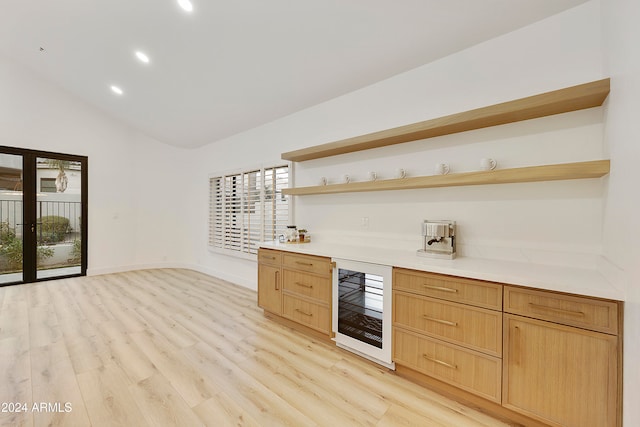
[269, 288]
[561, 375]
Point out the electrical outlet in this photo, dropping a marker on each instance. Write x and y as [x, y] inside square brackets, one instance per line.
[364, 222]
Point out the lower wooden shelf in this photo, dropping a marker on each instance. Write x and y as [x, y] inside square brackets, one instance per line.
[556, 172]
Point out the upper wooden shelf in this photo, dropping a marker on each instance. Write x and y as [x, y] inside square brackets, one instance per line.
[562, 171]
[573, 98]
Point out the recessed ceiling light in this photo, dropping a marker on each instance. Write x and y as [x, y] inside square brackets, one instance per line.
[186, 5]
[116, 90]
[142, 57]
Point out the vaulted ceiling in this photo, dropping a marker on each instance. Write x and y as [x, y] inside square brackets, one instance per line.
[226, 67]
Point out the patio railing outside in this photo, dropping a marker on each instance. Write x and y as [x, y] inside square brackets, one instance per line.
[58, 234]
[58, 222]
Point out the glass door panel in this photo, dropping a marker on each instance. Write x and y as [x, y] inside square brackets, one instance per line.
[43, 211]
[11, 227]
[360, 306]
[58, 217]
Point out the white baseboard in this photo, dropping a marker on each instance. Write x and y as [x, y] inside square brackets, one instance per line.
[224, 275]
[229, 277]
[132, 267]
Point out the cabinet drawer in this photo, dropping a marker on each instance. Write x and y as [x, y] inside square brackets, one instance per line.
[305, 284]
[308, 263]
[457, 289]
[587, 313]
[467, 369]
[476, 328]
[315, 316]
[269, 257]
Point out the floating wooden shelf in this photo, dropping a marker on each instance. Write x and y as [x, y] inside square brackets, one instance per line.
[573, 98]
[557, 172]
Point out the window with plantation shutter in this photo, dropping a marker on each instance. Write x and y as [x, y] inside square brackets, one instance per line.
[247, 208]
[275, 216]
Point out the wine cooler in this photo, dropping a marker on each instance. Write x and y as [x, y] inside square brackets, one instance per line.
[362, 309]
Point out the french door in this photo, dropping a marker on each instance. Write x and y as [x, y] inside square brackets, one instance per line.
[43, 215]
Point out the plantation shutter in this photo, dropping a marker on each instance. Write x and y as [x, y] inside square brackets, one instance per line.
[276, 213]
[253, 208]
[233, 212]
[216, 223]
[248, 208]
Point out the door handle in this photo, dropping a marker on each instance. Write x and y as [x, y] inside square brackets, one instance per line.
[515, 355]
[32, 226]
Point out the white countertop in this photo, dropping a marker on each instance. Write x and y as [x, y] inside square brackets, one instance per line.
[580, 281]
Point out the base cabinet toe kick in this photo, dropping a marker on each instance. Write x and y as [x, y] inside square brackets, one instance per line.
[529, 356]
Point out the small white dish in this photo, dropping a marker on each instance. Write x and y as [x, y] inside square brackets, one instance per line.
[442, 168]
[488, 164]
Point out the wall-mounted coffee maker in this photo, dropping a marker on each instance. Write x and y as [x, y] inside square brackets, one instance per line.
[438, 239]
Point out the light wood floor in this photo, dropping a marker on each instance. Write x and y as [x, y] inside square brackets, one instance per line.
[178, 348]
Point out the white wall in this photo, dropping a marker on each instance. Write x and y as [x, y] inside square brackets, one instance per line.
[162, 207]
[520, 221]
[622, 209]
[36, 115]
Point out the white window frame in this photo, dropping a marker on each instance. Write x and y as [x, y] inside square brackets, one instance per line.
[244, 249]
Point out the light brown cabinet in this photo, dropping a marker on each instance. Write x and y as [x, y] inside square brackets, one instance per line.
[555, 372]
[536, 357]
[269, 280]
[270, 288]
[442, 329]
[296, 287]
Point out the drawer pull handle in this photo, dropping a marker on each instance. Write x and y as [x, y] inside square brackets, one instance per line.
[444, 322]
[441, 288]
[304, 285]
[439, 362]
[308, 264]
[268, 257]
[557, 310]
[302, 312]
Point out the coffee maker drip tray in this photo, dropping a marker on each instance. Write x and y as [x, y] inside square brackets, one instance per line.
[435, 254]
